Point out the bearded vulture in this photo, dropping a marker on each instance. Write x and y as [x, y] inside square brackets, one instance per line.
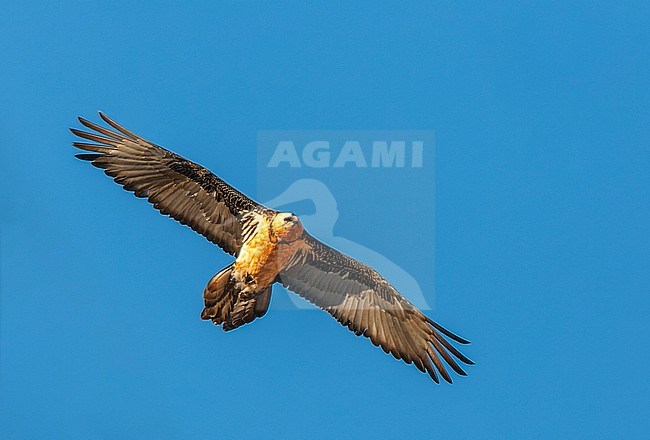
[269, 247]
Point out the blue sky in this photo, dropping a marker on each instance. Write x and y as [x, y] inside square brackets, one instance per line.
[541, 216]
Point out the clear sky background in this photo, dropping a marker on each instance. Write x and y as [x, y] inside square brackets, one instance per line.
[541, 115]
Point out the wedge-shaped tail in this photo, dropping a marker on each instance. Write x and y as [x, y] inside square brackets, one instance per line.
[225, 305]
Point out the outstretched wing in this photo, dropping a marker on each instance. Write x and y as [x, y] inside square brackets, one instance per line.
[360, 299]
[185, 191]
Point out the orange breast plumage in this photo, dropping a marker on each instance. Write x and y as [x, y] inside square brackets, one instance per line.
[264, 256]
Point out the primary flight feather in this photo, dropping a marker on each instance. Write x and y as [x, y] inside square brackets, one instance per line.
[269, 247]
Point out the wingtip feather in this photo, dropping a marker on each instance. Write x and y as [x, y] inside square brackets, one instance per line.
[432, 374]
[88, 156]
[446, 332]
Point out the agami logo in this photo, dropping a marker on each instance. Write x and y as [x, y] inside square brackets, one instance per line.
[351, 153]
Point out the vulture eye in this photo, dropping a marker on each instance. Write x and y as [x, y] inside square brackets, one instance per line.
[288, 219]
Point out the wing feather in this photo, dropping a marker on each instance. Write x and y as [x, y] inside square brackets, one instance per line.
[360, 299]
[185, 191]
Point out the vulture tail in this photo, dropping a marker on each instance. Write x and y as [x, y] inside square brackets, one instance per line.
[224, 304]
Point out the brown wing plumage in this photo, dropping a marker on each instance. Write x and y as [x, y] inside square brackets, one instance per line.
[185, 191]
[360, 299]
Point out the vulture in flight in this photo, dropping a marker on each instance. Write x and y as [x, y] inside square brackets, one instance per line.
[269, 247]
